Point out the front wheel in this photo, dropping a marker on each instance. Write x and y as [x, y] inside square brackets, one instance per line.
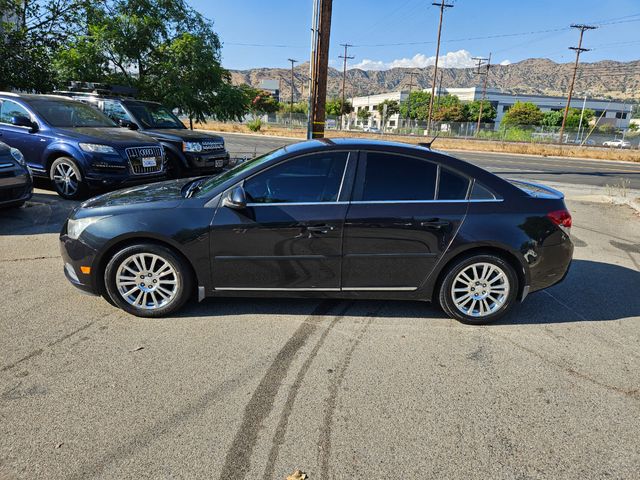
[479, 289]
[67, 178]
[148, 280]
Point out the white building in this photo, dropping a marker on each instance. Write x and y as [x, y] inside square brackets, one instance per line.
[613, 112]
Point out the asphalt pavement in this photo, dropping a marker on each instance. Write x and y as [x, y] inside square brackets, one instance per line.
[257, 388]
[542, 169]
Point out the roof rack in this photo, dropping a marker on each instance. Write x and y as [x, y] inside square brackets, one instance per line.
[102, 89]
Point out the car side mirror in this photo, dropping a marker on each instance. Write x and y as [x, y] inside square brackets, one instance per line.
[236, 198]
[128, 124]
[22, 121]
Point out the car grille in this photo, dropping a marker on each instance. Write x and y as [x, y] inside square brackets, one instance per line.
[211, 145]
[136, 154]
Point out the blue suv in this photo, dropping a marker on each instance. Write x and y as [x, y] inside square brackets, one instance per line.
[76, 146]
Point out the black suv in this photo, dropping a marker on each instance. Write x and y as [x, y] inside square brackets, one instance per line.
[189, 153]
[75, 145]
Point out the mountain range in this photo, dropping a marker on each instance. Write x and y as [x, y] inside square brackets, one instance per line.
[604, 79]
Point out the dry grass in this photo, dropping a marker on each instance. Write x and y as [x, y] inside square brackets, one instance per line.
[544, 150]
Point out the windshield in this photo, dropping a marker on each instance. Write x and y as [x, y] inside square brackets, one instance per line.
[61, 113]
[153, 115]
[213, 182]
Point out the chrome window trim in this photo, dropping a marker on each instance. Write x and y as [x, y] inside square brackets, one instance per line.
[379, 289]
[294, 204]
[344, 173]
[437, 188]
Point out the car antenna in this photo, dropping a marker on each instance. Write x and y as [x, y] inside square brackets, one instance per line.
[428, 144]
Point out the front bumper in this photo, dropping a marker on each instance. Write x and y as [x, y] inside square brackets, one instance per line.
[76, 255]
[15, 187]
[207, 161]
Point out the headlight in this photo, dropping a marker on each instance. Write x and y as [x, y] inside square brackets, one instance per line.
[191, 147]
[96, 148]
[76, 227]
[18, 157]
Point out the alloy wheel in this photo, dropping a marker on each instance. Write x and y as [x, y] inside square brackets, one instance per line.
[480, 289]
[65, 178]
[147, 281]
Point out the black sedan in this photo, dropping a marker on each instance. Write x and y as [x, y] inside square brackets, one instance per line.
[332, 218]
[16, 185]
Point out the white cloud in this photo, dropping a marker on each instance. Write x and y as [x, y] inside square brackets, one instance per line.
[458, 59]
[505, 62]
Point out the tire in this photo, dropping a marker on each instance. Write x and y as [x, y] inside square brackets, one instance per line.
[157, 294]
[481, 298]
[66, 178]
[175, 169]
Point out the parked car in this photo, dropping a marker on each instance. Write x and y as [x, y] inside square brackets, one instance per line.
[617, 144]
[76, 146]
[189, 153]
[16, 186]
[325, 218]
[371, 130]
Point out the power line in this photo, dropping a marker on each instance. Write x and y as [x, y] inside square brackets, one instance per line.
[578, 51]
[442, 6]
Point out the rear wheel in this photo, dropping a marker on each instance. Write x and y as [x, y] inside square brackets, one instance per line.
[67, 179]
[148, 280]
[479, 289]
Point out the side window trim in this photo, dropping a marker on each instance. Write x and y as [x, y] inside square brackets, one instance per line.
[348, 162]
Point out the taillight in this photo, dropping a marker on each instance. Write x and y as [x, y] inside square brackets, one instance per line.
[561, 218]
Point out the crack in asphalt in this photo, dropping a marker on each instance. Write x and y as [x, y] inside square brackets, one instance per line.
[237, 460]
[45, 257]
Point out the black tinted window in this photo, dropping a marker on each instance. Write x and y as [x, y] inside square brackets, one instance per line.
[480, 192]
[394, 177]
[452, 186]
[311, 178]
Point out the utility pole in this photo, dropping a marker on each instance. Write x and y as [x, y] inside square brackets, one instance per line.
[292, 88]
[578, 51]
[439, 91]
[442, 6]
[345, 57]
[411, 75]
[320, 59]
[484, 86]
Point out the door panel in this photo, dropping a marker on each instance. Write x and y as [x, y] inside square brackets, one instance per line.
[290, 234]
[396, 245]
[278, 246]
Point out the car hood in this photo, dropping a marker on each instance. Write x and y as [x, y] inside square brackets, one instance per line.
[116, 136]
[151, 196]
[182, 134]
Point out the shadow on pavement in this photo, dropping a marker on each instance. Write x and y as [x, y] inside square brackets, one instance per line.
[46, 212]
[592, 291]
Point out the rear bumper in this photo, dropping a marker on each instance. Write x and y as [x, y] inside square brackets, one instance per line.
[552, 265]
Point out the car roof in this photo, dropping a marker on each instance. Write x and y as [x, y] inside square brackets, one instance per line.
[35, 96]
[363, 144]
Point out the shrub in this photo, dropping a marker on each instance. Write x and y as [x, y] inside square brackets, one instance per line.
[255, 125]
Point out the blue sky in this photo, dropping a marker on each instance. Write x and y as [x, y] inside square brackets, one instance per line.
[264, 34]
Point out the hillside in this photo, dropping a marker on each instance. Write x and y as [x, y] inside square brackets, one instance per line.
[607, 79]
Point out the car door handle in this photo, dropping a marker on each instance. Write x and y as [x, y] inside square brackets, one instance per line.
[320, 229]
[435, 223]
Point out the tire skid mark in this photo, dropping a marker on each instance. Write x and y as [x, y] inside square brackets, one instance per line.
[237, 461]
[39, 351]
[281, 429]
[324, 443]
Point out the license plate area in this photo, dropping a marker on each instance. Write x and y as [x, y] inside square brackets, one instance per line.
[149, 162]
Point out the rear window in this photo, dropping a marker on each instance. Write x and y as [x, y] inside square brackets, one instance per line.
[452, 186]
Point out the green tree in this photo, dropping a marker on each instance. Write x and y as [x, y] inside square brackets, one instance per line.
[489, 112]
[523, 113]
[416, 106]
[333, 107]
[363, 114]
[387, 109]
[551, 119]
[573, 117]
[451, 113]
[298, 107]
[260, 101]
[31, 33]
